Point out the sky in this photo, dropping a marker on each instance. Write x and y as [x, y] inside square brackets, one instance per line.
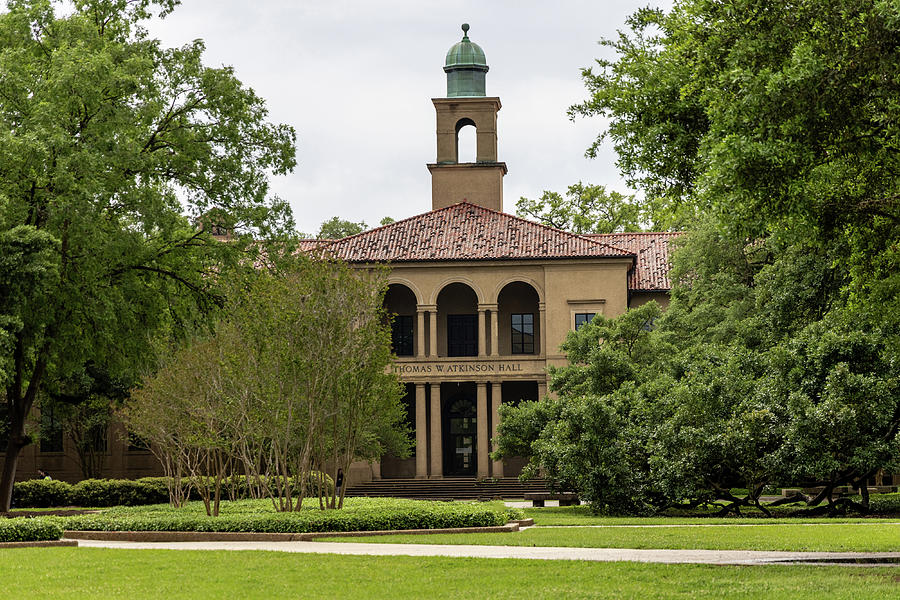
[355, 79]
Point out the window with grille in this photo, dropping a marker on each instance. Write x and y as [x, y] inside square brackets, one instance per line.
[522, 333]
[582, 318]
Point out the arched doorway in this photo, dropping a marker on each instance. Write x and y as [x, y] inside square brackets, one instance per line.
[459, 430]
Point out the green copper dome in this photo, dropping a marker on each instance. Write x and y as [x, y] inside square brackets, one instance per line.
[465, 67]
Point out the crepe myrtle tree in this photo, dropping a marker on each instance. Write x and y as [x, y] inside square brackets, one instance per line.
[106, 140]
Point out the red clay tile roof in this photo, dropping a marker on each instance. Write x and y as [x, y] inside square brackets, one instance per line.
[307, 245]
[465, 231]
[651, 271]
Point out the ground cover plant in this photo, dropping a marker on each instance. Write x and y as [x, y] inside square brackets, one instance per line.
[29, 530]
[837, 537]
[126, 574]
[359, 514]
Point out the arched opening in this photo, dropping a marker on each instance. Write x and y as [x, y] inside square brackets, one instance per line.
[457, 309]
[466, 141]
[519, 315]
[514, 392]
[403, 468]
[400, 305]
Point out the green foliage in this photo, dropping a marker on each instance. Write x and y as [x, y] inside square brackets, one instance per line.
[360, 514]
[768, 129]
[336, 228]
[29, 530]
[107, 139]
[41, 493]
[585, 209]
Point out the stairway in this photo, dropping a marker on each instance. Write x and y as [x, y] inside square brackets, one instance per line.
[448, 488]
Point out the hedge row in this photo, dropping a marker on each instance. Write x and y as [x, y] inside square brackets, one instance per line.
[29, 530]
[403, 515]
[44, 493]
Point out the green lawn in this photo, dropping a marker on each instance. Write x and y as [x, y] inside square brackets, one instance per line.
[172, 574]
[581, 515]
[840, 537]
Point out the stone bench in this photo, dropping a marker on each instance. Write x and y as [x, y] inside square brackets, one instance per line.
[565, 498]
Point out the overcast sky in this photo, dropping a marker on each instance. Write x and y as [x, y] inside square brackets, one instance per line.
[356, 78]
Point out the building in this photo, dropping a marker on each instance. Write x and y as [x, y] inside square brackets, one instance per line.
[482, 299]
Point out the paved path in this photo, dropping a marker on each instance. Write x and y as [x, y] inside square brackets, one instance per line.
[714, 557]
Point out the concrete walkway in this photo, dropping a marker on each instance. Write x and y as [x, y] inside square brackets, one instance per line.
[712, 557]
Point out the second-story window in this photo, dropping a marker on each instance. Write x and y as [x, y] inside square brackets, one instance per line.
[462, 335]
[522, 333]
[402, 335]
[582, 318]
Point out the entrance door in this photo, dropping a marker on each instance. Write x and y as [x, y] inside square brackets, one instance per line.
[459, 436]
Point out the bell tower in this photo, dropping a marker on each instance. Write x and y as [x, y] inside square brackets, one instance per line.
[479, 182]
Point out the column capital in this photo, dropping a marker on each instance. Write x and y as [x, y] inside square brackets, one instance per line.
[542, 306]
[487, 306]
[426, 307]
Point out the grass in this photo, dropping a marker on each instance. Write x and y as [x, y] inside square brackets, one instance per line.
[581, 515]
[173, 574]
[840, 537]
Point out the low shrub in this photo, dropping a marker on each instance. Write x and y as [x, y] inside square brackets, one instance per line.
[884, 504]
[360, 514]
[29, 530]
[44, 493]
[41, 493]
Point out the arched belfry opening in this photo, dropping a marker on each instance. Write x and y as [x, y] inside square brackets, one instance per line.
[466, 141]
[459, 173]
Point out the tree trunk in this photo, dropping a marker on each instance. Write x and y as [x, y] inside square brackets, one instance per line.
[17, 441]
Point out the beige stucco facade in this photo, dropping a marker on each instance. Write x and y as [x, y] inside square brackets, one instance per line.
[552, 291]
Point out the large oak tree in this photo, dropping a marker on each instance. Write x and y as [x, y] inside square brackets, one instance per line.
[107, 141]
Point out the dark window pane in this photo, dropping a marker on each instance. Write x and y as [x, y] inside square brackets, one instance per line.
[462, 335]
[402, 335]
[522, 333]
[582, 318]
[51, 430]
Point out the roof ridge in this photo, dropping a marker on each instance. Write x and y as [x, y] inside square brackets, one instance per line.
[543, 225]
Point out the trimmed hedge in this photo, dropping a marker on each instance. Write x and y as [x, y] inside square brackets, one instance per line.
[884, 504]
[45, 493]
[361, 515]
[29, 530]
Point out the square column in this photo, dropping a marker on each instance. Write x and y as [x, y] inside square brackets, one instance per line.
[420, 333]
[542, 327]
[437, 448]
[496, 397]
[421, 433]
[482, 334]
[495, 328]
[542, 390]
[481, 419]
[432, 342]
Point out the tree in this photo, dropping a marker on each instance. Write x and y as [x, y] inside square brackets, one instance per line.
[777, 117]
[767, 128]
[336, 228]
[105, 135]
[585, 209]
[294, 382]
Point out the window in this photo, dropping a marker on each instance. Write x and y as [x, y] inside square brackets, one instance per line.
[582, 318]
[402, 335]
[51, 430]
[522, 334]
[462, 335]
